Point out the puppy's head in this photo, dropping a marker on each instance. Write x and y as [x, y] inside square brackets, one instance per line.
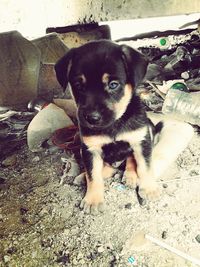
[103, 77]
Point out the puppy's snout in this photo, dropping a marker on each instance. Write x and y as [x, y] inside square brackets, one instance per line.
[93, 118]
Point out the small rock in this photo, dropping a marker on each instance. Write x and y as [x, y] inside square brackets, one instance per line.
[164, 234]
[6, 258]
[165, 185]
[79, 256]
[63, 259]
[184, 232]
[198, 238]
[9, 161]
[100, 249]
[117, 176]
[36, 159]
[23, 210]
[12, 250]
[128, 206]
[80, 179]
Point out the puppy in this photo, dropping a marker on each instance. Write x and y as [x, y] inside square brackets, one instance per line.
[103, 78]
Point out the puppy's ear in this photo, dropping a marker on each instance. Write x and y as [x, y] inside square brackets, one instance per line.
[136, 64]
[63, 67]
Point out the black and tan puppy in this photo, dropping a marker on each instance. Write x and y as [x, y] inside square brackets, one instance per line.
[103, 78]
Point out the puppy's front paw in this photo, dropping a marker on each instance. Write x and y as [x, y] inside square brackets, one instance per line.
[92, 203]
[149, 190]
[130, 179]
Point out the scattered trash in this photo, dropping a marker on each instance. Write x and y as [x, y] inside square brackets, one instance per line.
[44, 124]
[71, 169]
[128, 206]
[173, 84]
[183, 106]
[9, 161]
[198, 238]
[37, 104]
[172, 249]
[164, 234]
[132, 261]
[120, 187]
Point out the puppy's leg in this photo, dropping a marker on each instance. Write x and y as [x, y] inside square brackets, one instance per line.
[130, 173]
[94, 197]
[108, 171]
[147, 184]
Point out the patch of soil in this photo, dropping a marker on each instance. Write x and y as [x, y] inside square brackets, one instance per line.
[41, 223]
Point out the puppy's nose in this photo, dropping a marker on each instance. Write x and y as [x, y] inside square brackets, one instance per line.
[93, 118]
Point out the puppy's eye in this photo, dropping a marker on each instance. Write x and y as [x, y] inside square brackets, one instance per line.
[77, 85]
[113, 85]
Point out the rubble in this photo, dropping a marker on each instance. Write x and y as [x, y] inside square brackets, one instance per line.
[40, 192]
[20, 64]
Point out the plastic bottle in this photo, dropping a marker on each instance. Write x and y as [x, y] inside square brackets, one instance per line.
[183, 106]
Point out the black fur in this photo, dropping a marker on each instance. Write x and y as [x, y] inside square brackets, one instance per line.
[96, 99]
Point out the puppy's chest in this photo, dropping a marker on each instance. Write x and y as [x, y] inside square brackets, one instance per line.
[116, 151]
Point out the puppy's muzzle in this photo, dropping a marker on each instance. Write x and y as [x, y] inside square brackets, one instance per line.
[93, 118]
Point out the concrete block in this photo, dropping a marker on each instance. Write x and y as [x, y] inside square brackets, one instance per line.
[52, 48]
[76, 35]
[19, 69]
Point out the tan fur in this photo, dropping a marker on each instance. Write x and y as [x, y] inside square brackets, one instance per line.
[130, 173]
[133, 137]
[121, 106]
[105, 78]
[95, 142]
[108, 171]
[95, 192]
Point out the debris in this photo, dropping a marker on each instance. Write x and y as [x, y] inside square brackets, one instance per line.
[20, 63]
[172, 249]
[36, 159]
[120, 187]
[71, 170]
[128, 206]
[9, 161]
[80, 179]
[100, 249]
[164, 234]
[183, 106]
[198, 238]
[44, 124]
[132, 261]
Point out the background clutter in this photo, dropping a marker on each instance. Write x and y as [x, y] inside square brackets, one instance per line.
[41, 174]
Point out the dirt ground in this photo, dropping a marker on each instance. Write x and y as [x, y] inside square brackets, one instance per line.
[41, 223]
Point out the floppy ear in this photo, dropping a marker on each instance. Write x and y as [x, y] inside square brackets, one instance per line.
[62, 68]
[135, 63]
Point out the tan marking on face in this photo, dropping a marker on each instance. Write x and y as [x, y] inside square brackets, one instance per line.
[105, 78]
[121, 106]
[96, 142]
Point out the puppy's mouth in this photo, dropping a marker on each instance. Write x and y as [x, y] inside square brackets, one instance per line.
[101, 126]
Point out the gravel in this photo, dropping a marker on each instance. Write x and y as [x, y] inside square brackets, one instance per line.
[41, 223]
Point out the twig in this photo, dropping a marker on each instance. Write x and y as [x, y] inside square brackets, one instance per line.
[172, 249]
[181, 179]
